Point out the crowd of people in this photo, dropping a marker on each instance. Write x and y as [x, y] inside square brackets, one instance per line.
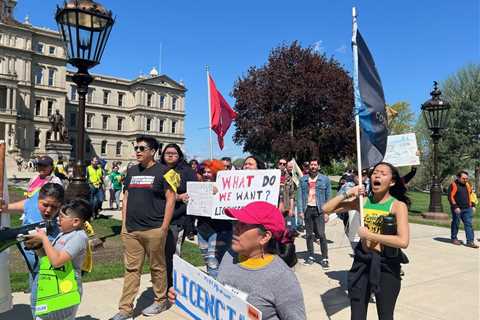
[254, 253]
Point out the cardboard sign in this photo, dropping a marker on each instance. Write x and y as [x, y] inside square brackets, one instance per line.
[233, 189]
[201, 198]
[402, 150]
[204, 298]
[238, 188]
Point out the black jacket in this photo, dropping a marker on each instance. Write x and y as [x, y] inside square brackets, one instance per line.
[186, 174]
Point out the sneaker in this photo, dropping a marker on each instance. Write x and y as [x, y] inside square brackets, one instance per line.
[457, 242]
[156, 308]
[122, 316]
[324, 263]
[471, 245]
[309, 261]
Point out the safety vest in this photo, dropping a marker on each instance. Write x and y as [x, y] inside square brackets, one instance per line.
[57, 288]
[95, 175]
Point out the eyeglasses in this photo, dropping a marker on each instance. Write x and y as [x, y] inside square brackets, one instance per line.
[282, 163]
[140, 148]
[171, 154]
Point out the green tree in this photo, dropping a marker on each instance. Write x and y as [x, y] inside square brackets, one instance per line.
[404, 119]
[299, 104]
[460, 145]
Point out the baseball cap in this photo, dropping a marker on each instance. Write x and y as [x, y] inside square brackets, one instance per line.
[45, 161]
[261, 213]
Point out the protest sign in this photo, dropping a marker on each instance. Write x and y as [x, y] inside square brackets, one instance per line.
[238, 188]
[201, 199]
[204, 298]
[402, 150]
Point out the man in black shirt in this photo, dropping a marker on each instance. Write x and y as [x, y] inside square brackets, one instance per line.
[147, 211]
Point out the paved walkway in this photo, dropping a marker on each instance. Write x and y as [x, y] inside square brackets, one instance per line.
[440, 283]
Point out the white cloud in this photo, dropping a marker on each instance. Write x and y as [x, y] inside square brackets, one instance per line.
[317, 46]
[342, 49]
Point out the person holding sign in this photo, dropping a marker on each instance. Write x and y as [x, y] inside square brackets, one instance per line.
[377, 259]
[214, 236]
[258, 266]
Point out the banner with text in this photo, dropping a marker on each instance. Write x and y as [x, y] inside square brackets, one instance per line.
[233, 189]
[402, 150]
[204, 298]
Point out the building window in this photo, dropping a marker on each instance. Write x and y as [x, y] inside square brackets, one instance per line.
[73, 93]
[89, 120]
[162, 101]
[90, 95]
[104, 122]
[120, 98]
[149, 99]
[38, 107]
[39, 48]
[105, 97]
[88, 146]
[103, 149]
[51, 50]
[73, 120]
[51, 77]
[119, 124]
[149, 124]
[162, 124]
[49, 107]
[174, 126]
[118, 149]
[174, 103]
[72, 143]
[49, 135]
[38, 75]
[36, 140]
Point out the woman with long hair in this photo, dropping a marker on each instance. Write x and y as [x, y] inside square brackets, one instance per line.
[172, 157]
[259, 262]
[253, 163]
[378, 256]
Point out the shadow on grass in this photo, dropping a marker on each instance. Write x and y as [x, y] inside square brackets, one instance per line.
[19, 312]
[336, 299]
[116, 230]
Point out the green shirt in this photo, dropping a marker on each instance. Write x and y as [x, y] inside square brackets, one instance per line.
[116, 178]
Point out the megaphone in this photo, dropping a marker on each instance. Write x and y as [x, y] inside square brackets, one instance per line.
[11, 236]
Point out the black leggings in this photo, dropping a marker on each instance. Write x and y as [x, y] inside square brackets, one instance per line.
[385, 298]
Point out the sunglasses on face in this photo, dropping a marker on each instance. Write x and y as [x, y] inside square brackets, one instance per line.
[282, 163]
[140, 148]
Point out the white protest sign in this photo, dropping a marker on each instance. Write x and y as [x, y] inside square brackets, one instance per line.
[402, 150]
[201, 200]
[204, 298]
[238, 188]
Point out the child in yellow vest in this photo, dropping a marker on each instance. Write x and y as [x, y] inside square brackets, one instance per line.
[57, 289]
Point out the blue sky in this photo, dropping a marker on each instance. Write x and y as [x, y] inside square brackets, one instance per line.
[413, 43]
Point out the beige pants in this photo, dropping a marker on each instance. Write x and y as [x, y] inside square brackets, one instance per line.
[136, 245]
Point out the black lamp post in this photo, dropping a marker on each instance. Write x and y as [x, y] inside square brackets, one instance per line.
[85, 27]
[435, 112]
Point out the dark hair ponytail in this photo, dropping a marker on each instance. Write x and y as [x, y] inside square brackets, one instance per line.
[284, 249]
[398, 190]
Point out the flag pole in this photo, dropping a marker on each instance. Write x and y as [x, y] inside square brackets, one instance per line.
[209, 115]
[358, 102]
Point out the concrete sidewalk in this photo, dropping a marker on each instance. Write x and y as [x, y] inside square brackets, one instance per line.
[441, 282]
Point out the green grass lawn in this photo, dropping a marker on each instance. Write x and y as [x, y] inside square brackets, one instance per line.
[108, 262]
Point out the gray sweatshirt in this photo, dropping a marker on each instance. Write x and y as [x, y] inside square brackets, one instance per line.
[273, 289]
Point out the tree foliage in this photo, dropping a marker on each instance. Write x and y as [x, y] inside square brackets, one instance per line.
[460, 145]
[403, 121]
[298, 104]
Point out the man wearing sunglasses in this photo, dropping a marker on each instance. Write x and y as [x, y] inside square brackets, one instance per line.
[147, 211]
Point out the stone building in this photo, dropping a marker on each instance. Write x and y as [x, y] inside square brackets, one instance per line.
[34, 82]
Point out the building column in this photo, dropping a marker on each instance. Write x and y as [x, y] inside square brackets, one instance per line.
[14, 99]
[7, 106]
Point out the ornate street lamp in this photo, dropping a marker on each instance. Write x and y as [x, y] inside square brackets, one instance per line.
[435, 112]
[85, 27]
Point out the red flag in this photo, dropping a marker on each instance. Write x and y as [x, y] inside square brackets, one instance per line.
[221, 112]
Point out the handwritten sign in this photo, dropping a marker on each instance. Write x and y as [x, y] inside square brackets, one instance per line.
[238, 188]
[204, 298]
[201, 198]
[402, 150]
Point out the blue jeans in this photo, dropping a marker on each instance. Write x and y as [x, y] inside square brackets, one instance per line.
[117, 197]
[467, 216]
[96, 198]
[213, 249]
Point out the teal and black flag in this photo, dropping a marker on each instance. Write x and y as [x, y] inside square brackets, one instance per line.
[369, 104]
